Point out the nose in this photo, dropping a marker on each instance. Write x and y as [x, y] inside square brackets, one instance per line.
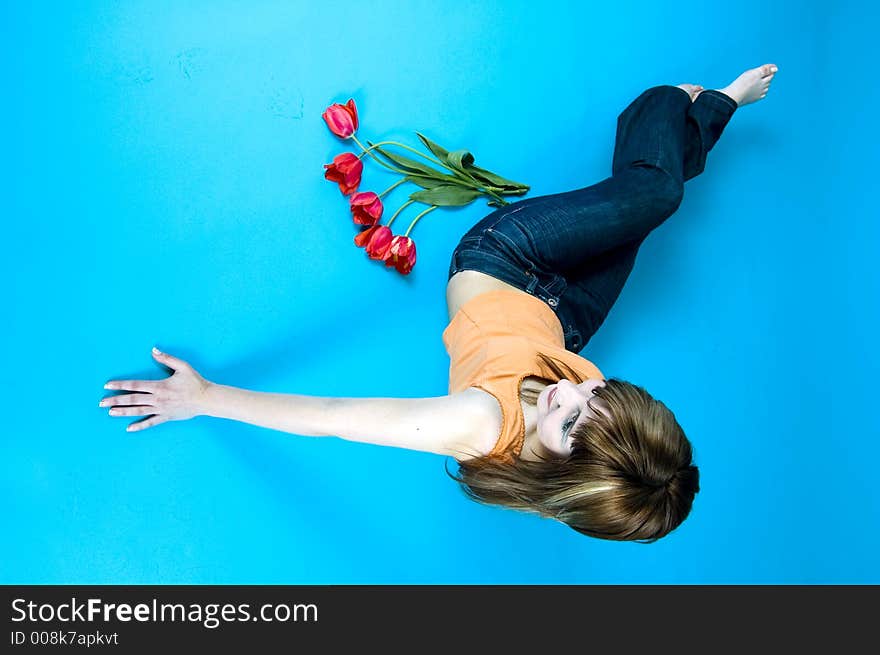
[588, 385]
[568, 390]
[564, 391]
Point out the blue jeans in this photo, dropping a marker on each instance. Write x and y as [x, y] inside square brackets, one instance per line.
[575, 250]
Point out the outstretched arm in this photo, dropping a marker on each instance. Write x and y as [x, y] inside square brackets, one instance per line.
[443, 424]
[446, 425]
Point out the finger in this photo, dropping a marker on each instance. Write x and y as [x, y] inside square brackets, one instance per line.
[128, 399]
[132, 411]
[168, 360]
[148, 423]
[148, 386]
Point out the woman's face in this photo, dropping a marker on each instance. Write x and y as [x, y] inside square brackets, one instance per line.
[562, 408]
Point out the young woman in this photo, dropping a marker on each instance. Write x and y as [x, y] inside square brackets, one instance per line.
[532, 425]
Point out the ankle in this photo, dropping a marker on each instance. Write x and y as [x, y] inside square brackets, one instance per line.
[731, 93]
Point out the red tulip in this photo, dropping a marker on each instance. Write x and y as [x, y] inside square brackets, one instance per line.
[366, 208]
[346, 171]
[402, 254]
[361, 238]
[377, 240]
[342, 119]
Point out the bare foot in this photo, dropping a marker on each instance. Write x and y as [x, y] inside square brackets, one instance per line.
[692, 89]
[752, 85]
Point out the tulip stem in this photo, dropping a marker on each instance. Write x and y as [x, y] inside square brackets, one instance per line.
[418, 152]
[489, 190]
[494, 195]
[391, 188]
[467, 179]
[456, 172]
[416, 219]
[367, 151]
[399, 209]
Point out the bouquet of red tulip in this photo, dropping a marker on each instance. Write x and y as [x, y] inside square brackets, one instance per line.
[461, 184]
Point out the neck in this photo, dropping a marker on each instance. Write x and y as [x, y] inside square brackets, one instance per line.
[533, 450]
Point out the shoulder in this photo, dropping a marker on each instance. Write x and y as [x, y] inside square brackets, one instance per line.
[485, 420]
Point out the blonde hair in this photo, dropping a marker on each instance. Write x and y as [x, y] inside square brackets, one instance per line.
[629, 477]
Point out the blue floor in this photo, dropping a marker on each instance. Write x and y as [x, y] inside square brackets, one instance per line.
[164, 185]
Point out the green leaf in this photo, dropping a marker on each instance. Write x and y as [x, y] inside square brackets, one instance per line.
[446, 195]
[439, 151]
[410, 164]
[460, 159]
[417, 167]
[496, 180]
[463, 161]
[424, 182]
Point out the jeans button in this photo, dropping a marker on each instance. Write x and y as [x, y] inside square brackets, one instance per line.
[552, 302]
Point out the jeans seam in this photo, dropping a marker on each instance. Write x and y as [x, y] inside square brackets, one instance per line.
[720, 96]
[484, 253]
[473, 240]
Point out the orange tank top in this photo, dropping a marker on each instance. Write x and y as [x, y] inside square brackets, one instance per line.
[493, 343]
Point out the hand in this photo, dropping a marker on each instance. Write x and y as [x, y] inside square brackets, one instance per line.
[176, 398]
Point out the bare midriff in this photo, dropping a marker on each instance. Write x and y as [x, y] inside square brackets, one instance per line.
[465, 285]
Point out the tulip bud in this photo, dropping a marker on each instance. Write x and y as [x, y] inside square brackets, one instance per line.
[402, 254]
[362, 237]
[378, 242]
[342, 119]
[366, 208]
[346, 171]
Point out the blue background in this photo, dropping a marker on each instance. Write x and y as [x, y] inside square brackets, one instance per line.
[163, 184]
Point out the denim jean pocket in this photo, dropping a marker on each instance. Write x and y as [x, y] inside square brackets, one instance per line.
[544, 282]
[526, 239]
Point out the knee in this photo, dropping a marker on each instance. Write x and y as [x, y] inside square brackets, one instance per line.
[667, 91]
[670, 193]
[665, 192]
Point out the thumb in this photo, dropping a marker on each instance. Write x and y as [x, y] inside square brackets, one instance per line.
[168, 360]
